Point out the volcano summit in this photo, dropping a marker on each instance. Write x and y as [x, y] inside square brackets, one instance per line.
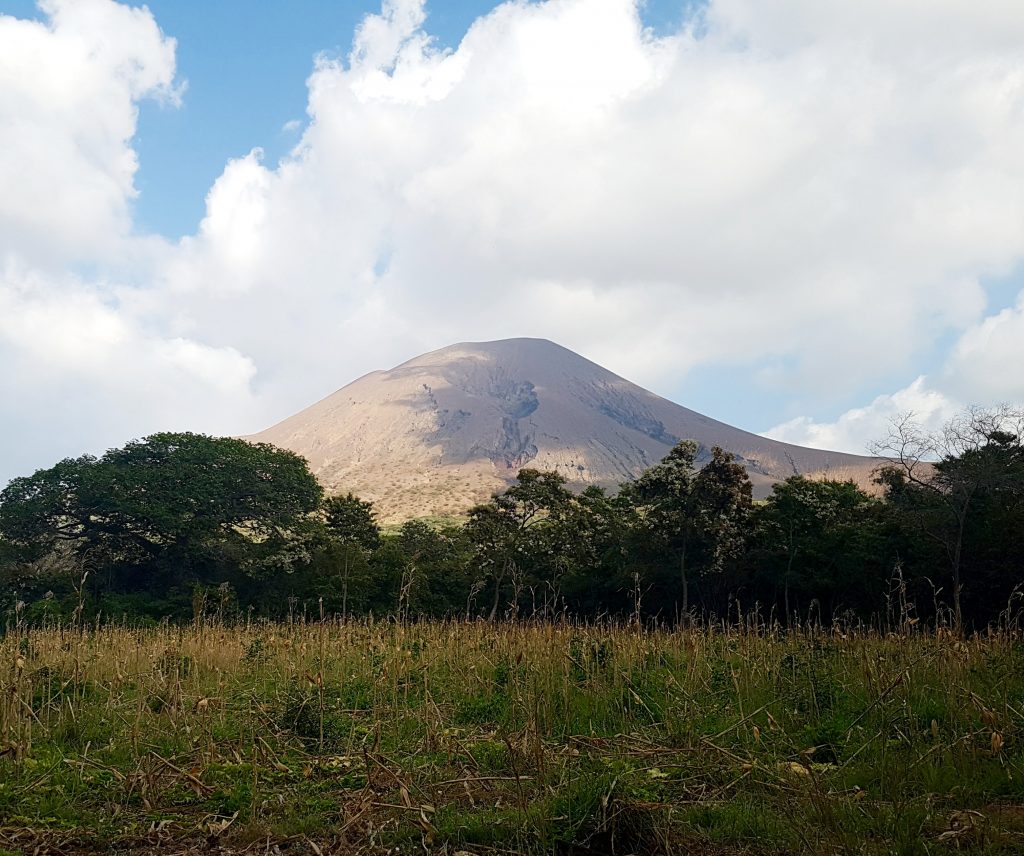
[451, 427]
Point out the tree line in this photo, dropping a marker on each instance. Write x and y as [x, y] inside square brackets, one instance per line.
[179, 525]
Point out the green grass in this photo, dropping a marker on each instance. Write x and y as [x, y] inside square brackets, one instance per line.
[552, 739]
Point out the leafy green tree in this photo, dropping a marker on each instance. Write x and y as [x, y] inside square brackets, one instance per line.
[695, 519]
[352, 520]
[594, 557]
[169, 507]
[353, 536]
[435, 571]
[824, 540]
[994, 548]
[722, 503]
[665, 523]
[508, 533]
[422, 570]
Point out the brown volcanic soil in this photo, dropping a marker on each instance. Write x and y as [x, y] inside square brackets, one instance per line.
[450, 428]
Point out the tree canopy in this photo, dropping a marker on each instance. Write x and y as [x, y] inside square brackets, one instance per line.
[694, 519]
[171, 522]
[169, 504]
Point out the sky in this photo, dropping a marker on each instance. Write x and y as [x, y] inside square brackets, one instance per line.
[802, 218]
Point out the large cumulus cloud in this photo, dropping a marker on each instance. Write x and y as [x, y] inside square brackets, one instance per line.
[753, 186]
[82, 369]
[981, 369]
[69, 89]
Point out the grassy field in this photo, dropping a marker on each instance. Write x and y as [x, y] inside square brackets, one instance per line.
[509, 738]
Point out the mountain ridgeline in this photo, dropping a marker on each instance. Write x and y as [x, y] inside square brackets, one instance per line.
[450, 428]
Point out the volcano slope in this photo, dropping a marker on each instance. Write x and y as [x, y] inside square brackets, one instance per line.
[452, 427]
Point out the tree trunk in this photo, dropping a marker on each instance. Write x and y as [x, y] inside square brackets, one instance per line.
[957, 553]
[791, 550]
[686, 587]
[497, 595]
[344, 590]
[785, 589]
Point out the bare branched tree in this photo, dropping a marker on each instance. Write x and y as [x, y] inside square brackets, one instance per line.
[949, 468]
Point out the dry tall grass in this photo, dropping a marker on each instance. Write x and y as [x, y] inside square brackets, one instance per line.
[547, 738]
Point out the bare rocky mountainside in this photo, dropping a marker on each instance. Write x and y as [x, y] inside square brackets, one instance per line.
[450, 428]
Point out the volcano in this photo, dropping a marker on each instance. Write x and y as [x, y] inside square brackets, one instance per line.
[450, 428]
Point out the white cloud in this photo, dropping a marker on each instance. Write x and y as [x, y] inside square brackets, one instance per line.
[68, 93]
[69, 346]
[985, 365]
[982, 371]
[805, 190]
[820, 188]
[856, 429]
[82, 370]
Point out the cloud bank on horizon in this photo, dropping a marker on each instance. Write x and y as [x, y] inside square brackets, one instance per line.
[821, 190]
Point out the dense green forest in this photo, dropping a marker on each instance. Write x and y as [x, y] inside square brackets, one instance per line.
[178, 525]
